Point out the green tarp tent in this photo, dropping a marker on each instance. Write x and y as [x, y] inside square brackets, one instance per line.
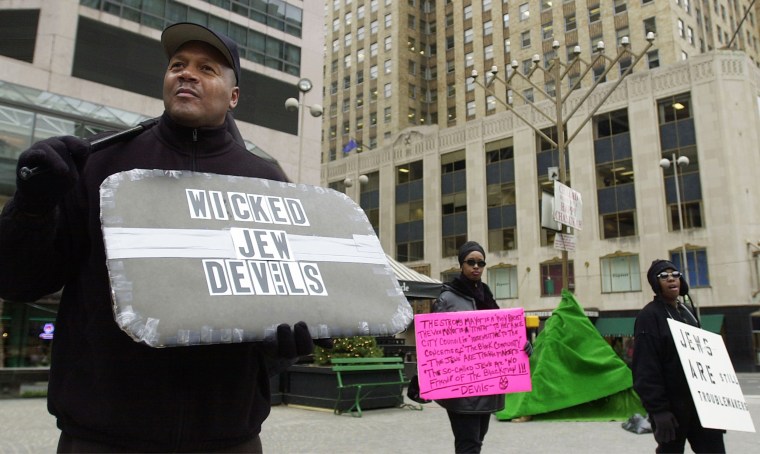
[576, 375]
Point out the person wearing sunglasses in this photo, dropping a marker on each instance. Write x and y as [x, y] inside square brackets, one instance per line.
[470, 416]
[658, 377]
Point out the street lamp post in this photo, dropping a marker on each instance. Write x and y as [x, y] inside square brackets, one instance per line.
[293, 104]
[558, 71]
[682, 161]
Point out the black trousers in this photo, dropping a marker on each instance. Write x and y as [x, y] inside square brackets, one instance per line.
[469, 431]
[701, 440]
[69, 444]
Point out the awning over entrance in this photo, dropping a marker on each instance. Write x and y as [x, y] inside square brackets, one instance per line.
[414, 284]
[623, 326]
[617, 326]
[712, 323]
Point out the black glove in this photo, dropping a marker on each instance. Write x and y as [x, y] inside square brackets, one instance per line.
[665, 425]
[528, 348]
[56, 161]
[297, 342]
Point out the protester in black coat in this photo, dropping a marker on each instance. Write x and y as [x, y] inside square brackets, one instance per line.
[109, 393]
[470, 416]
[658, 377]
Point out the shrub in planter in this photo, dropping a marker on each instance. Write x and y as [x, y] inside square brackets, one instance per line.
[348, 347]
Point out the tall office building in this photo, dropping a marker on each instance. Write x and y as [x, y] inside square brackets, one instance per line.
[443, 159]
[84, 66]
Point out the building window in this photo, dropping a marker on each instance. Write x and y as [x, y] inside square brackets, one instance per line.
[594, 14]
[547, 156]
[653, 59]
[620, 6]
[470, 109]
[678, 137]
[387, 90]
[650, 25]
[551, 278]
[387, 115]
[697, 271]
[369, 200]
[524, 12]
[503, 282]
[487, 28]
[410, 223]
[490, 104]
[547, 31]
[616, 197]
[525, 39]
[412, 116]
[488, 52]
[501, 197]
[469, 84]
[468, 35]
[453, 202]
[468, 12]
[570, 23]
[620, 274]
[451, 114]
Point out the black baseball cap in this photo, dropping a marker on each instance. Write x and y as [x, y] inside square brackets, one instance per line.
[174, 36]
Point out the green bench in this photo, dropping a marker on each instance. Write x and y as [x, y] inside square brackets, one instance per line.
[349, 373]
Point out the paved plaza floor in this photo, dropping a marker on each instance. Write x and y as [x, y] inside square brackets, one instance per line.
[26, 427]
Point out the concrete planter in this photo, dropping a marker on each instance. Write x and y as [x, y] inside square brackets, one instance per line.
[317, 386]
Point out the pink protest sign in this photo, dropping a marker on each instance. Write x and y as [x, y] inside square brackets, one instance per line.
[471, 353]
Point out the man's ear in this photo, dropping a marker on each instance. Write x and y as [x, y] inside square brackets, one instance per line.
[235, 97]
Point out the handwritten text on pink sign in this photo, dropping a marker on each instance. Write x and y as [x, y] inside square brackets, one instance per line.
[472, 353]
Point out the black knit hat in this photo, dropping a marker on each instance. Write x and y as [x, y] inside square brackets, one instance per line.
[657, 267]
[468, 247]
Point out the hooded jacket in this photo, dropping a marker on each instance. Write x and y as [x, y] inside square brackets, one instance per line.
[104, 386]
[658, 376]
[454, 297]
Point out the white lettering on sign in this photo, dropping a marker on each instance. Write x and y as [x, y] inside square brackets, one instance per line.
[246, 207]
[261, 244]
[264, 263]
[256, 277]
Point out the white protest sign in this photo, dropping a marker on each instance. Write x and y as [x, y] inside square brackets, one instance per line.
[198, 258]
[711, 377]
[568, 206]
[564, 242]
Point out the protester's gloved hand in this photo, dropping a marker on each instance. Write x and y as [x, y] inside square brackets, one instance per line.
[528, 348]
[296, 342]
[57, 160]
[665, 425]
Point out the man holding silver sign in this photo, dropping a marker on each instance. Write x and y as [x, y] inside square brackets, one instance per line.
[70, 226]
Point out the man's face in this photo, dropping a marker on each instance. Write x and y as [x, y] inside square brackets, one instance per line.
[199, 87]
[669, 284]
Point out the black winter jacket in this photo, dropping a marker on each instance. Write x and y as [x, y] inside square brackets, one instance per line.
[455, 297]
[658, 376]
[104, 386]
